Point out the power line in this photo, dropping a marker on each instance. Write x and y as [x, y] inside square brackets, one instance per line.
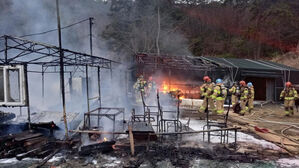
[48, 31]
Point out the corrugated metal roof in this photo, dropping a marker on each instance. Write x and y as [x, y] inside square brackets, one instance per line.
[249, 64]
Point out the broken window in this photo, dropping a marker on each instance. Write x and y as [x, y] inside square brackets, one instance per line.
[12, 86]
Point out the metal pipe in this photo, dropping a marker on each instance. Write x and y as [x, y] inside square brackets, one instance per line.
[99, 86]
[195, 132]
[61, 70]
[235, 136]
[5, 53]
[43, 84]
[87, 87]
[113, 126]
[27, 96]
[159, 133]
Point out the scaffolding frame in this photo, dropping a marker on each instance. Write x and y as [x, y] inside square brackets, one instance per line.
[52, 59]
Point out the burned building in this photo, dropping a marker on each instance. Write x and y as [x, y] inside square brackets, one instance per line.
[185, 73]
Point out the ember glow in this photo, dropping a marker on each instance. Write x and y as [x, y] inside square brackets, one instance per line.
[184, 89]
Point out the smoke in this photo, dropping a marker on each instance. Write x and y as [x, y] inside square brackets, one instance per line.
[19, 17]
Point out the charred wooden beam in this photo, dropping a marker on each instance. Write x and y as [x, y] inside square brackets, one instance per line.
[47, 125]
[97, 147]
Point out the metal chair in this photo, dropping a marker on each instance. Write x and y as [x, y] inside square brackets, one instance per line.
[165, 124]
[221, 124]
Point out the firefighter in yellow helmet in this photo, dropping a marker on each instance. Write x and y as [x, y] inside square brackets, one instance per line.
[235, 91]
[206, 91]
[243, 97]
[250, 96]
[289, 94]
[219, 95]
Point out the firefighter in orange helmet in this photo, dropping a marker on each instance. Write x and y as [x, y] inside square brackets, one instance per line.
[206, 91]
[289, 94]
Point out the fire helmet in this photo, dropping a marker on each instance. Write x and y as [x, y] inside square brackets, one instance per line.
[218, 81]
[288, 84]
[242, 83]
[206, 78]
[249, 84]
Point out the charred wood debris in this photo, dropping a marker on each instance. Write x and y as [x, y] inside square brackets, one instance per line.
[179, 153]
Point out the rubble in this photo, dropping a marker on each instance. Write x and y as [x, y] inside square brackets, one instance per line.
[104, 147]
[6, 116]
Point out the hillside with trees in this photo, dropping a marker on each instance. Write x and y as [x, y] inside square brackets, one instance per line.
[257, 29]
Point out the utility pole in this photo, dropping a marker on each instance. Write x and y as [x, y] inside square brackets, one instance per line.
[90, 33]
[86, 67]
[61, 64]
[91, 53]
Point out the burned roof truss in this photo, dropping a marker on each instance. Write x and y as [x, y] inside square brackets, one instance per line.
[21, 51]
[174, 62]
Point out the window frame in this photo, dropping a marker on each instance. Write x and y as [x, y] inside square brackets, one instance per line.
[22, 86]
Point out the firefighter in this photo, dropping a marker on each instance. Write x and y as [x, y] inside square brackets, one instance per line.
[139, 87]
[151, 85]
[250, 96]
[235, 91]
[289, 94]
[243, 97]
[206, 91]
[219, 95]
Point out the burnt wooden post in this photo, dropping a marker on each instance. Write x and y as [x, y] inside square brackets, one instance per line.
[27, 95]
[61, 64]
[131, 140]
[86, 66]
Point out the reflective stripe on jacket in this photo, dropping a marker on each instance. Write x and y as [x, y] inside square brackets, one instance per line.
[289, 94]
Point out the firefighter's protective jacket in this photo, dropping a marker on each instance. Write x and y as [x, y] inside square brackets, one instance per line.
[219, 92]
[251, 92]
[289, 94]
[140, 85]
[233, 90]
[244, 93]
[206, 89]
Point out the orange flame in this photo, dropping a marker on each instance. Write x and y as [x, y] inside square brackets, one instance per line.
[179, 87]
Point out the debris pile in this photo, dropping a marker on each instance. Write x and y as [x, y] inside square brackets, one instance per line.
[26, 144]
[6, 116]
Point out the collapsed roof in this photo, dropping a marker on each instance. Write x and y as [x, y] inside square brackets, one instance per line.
[243, 67]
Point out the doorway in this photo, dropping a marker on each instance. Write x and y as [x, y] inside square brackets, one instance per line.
[263, 87]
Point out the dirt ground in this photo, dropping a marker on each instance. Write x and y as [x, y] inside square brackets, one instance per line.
[266, 122]
[269, 116]
[270, 123]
